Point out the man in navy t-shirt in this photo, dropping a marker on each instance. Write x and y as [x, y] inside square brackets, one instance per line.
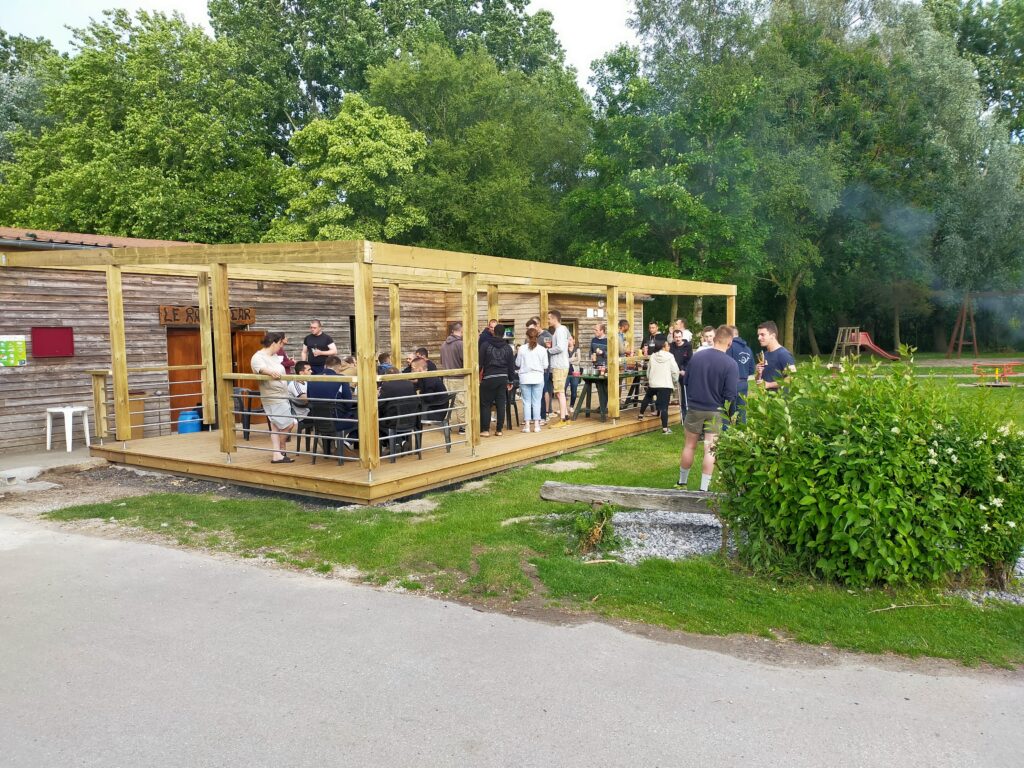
[778, 361]
[711, 389]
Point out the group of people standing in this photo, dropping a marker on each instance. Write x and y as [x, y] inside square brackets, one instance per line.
[712, 379]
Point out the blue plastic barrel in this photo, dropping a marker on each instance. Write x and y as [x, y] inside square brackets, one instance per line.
[189, 421]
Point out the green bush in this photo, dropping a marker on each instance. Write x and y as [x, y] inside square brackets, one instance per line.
[865, 476]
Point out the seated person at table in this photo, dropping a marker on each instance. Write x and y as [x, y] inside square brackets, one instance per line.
[331, 406]
[398, 408]
[419, 354]
[432, 391]
[384, 365]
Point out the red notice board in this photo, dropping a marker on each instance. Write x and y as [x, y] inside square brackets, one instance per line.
[53, 342]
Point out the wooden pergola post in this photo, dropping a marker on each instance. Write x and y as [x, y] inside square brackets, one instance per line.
[369, 426]
[631, 317]
[730, 310]
[470, 354]
[543, 312]
[206, 345]
[118, 354]
[396, 325]
[221, 314]
[612, 303]
[492, 303]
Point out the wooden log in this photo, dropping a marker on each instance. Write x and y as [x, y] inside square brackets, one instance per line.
[666, 499]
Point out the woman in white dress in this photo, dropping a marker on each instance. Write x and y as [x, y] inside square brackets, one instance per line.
[274, 394]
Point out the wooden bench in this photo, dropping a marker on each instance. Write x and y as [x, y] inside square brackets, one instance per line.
[665, 499]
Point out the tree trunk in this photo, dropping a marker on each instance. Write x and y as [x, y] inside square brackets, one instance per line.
[896, 329]
[791, 297]
[812, 339]
[675, 310]
[698, 314]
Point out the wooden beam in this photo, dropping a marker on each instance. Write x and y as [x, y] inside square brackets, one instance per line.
[611, 302]
[366, 365]
[470, 353]
[220, 310]
[340, 252]
[698, 502]
[408, 256]
[394, 301]
[492, 302]
[730, 310]
[206, 345]
[118, 355]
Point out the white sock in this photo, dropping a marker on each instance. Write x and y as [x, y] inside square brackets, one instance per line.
[684, 476]
[705, 481]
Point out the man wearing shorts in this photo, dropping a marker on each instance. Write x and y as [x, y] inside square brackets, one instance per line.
[559, 352]
[710, 386]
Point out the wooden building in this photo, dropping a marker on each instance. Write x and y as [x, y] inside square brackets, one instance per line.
[181, 322]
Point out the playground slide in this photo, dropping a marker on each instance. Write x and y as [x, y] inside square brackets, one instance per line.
[866, 344]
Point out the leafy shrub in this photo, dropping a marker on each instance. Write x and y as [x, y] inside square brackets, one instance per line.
[594, 531]
[865, 476]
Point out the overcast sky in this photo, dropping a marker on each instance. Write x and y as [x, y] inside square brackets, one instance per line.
[587, 28]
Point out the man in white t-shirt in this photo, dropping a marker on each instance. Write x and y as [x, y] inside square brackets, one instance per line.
[559, 352]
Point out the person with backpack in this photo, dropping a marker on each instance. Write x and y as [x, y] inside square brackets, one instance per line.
[497, 370]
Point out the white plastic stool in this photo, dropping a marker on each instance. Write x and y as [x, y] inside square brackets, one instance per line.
[69, 412]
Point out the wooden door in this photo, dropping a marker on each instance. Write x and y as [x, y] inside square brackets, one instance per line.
[185, 389]
[244, 344]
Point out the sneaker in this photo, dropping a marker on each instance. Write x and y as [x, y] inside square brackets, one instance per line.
[639, 417]
[666, 431]
[536, 427]
[680, 486]
[526, 428]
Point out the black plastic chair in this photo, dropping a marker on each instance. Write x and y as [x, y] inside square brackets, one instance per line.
[445, 422]
[396, 431]
[511, 404]
[243, 405]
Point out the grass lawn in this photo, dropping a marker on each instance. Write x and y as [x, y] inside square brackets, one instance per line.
[462, 549]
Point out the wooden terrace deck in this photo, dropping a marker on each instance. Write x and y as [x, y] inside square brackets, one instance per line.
[198, 455]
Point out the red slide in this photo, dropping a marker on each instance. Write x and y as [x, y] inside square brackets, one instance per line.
[865, 343]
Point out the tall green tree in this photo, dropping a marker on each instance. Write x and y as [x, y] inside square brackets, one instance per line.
[154, 135]
[671, 171]
[503, 147]
[313, 52]
[349, 176]
[22, 73]
[990, 34]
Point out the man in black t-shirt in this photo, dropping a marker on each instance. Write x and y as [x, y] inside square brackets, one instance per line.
[655, 339]
[317, 347]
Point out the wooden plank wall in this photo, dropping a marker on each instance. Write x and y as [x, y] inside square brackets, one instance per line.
[30, 297]
[520, 307]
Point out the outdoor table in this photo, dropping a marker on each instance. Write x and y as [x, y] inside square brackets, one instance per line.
[600, 383]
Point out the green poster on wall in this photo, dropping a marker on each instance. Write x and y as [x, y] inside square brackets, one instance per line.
[12, 351]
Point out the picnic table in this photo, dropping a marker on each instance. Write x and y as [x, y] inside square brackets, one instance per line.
[599, 382]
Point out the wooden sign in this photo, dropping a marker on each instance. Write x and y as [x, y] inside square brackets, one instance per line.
[170, 315]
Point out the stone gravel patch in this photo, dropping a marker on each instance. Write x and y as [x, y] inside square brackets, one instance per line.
[667, 535]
